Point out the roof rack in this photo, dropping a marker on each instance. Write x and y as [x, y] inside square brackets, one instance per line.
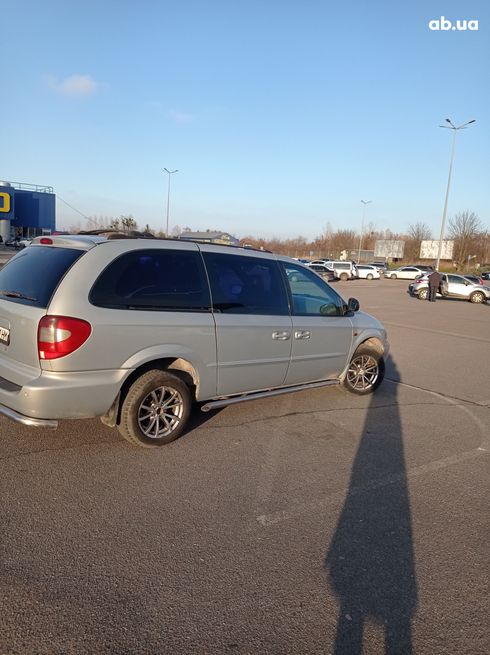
[119, 234]
[135, 234]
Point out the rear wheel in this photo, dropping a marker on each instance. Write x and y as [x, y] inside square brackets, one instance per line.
[422, 294]
[344, 277]
[477, 297]
[155, 410]
[366, 371]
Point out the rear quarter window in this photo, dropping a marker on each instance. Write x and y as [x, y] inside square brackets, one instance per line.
[31, 277]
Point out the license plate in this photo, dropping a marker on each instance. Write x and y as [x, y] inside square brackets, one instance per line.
[4, 336]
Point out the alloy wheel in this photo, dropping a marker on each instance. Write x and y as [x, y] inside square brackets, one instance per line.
[363, 372]
[161, 412]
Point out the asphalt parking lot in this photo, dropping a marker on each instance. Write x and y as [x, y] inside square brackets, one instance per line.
[316, 522]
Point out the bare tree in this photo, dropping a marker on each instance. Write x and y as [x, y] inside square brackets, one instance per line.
[417, 232]
[466, 229]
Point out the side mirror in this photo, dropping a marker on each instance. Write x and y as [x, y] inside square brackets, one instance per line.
[353, 305]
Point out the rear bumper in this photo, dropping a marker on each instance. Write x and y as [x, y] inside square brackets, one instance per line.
[53, 396]
[27, 420]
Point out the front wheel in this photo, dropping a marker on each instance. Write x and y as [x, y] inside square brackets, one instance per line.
[369, 276]
[366, 371]
[155, 410]
[393, 276]
[477, 297]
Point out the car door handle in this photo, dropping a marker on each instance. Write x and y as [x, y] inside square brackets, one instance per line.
[281, 336]
[302, 334]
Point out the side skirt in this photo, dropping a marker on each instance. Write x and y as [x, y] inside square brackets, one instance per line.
[223, 402]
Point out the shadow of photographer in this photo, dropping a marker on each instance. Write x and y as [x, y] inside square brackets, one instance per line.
[370, 560]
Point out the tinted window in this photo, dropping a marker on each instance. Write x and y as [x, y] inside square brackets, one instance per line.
[342, 266]
[35, 273]
[246, 285]
[455, 279]
[153, 280]
[311, 296]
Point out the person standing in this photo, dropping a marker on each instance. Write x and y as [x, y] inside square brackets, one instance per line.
[435, 279]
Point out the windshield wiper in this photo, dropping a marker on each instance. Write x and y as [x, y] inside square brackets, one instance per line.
[16, 294]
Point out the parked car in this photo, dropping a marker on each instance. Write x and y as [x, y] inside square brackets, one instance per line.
[474, 278]
[326, 273]
[319, 262]
[367, 272]
[17, 242]
[405, 273]
[343, 270]
[381, 266]
[452, 286]
[485, 275]
[136, 330]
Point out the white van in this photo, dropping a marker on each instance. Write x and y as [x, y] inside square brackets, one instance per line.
[344, 270]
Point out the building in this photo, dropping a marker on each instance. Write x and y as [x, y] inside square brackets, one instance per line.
[210, 237]
[26, 210]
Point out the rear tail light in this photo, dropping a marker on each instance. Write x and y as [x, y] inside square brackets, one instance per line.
[58, 336]
[46, 241]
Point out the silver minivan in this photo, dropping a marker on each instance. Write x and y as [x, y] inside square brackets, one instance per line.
[136, 330]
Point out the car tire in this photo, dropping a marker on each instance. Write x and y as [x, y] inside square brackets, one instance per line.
[369, 276]
[477, 297]
[145, 417]
[422, 294]
[344, 277]
[393, 276]
[365, 372]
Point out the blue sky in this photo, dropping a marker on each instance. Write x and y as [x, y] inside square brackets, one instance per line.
[279, 115]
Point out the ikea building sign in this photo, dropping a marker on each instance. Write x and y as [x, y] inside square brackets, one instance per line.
[6, 203]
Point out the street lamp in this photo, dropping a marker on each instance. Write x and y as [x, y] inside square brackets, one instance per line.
[443, 224]
[168, 193]
[364, 203]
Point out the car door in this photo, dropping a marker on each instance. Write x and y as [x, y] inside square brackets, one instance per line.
[322, 334]
[253, 324]
[457, 286]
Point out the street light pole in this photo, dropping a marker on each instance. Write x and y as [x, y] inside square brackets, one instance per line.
[168, 193]
[364, 203]
[444, 213]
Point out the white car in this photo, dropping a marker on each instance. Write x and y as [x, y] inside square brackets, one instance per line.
[367, 272]
[319, 262]
[405, 273]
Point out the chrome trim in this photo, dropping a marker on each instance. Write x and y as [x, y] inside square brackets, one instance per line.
[27, 420]
[215, 404]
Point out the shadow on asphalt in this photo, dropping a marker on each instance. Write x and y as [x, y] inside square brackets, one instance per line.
[370, 560]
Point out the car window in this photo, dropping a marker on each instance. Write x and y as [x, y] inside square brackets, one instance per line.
[246, 285]
[311, 296]
[165, 280]
[455, 279]
[31, 277]
[342, 265]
